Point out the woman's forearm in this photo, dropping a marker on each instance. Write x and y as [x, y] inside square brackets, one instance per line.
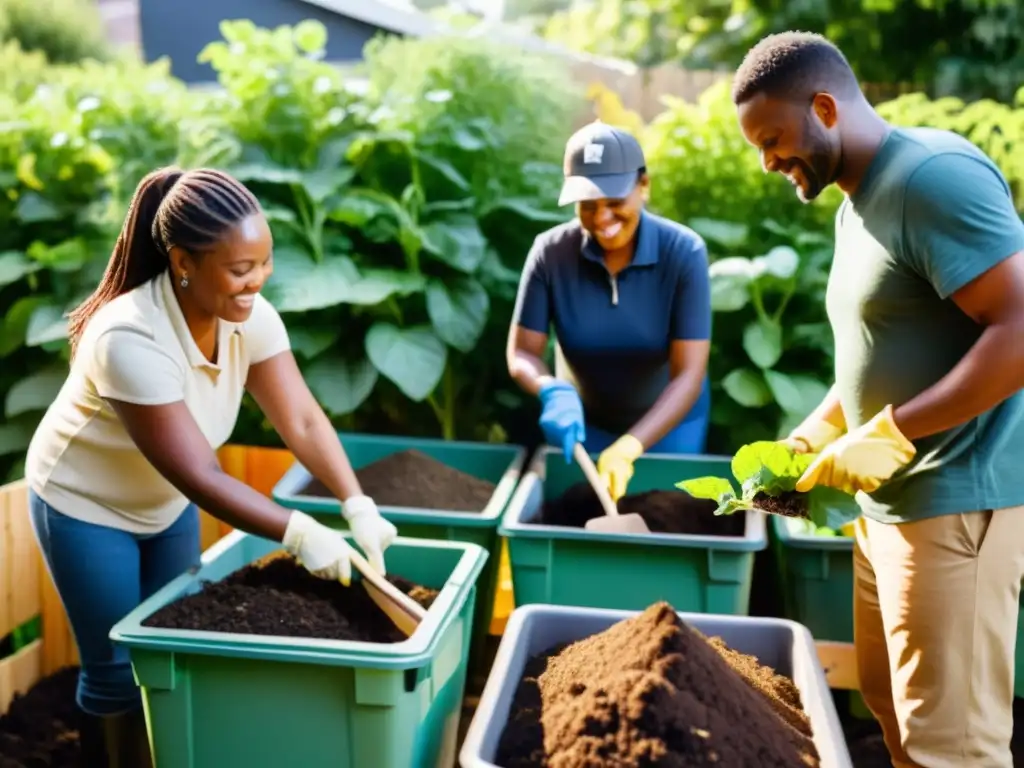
[669, 409]
[528, 371]
[315, 444]
[236, 503]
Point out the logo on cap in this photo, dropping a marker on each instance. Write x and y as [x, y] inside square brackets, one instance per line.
[593, 154]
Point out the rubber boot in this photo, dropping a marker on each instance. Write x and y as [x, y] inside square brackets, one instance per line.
[127, 741]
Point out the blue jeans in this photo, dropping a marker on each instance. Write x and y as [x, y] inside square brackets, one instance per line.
[686, 437]
[102, 574]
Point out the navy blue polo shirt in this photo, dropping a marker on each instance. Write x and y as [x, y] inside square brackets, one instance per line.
[615, 331]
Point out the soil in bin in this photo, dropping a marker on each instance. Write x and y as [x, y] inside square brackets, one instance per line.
[652, 691]
[40, 727]
[663, 511]
[278, 596]
[413, 479]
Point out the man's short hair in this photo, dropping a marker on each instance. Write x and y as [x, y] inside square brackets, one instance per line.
[794, 65]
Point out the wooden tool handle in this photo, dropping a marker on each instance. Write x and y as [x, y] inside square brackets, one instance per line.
[406, 603]
[583, 459]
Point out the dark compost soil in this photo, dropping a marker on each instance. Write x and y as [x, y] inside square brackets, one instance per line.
[663, 511]
[40, 728]
[414, 479]
[787, 504]
[280, 597]
[652, 691]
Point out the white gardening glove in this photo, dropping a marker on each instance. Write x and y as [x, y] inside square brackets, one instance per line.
[372, 532]
[321, 550]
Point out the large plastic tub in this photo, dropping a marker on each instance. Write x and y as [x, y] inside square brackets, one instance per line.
[496, 463]
[816, 575]
[573, 566]
[249, 701]
[781, 644]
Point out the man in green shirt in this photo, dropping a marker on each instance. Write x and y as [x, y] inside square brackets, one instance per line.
[925, 421]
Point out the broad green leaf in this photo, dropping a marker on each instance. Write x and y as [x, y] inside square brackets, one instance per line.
[526, 209]
[445, 169]
[730, 280]
[762, 341]
[33, 208]
[730, 506]
[752, 458]
[14, 265]
[357, 208]
[727, 234]
[458, 311]
[795, 394]
[457, 241]
[747, 387]
[266, 173]
[716, 489]
[66, 256]
[831, 508]
[310, 36]
[300, 284]
[15, 323]
[35, 392]
[308, 342]
[781, 262]
[340, 385]
[15, 437]
[321, 184]
[412, 358]
[46, 324]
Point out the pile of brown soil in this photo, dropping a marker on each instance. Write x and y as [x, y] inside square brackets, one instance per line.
[414, 479]
[280, 597]
[40, 728]
[663, 511]
[652, 691]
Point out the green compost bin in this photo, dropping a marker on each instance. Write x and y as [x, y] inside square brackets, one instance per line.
[572, 566]
[253, 701]
[501, 464]
[817, 584]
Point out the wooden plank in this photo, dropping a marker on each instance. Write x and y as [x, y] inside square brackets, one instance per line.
[840, 663]
[20, 672]
[59, 648]
[19, 580]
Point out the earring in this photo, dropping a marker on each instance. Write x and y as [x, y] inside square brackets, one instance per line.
[184, 281]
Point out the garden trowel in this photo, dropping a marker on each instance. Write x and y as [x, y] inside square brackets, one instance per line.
[404, 612]
[612, 521]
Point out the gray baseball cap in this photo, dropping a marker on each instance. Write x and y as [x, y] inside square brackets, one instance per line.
[600, 161]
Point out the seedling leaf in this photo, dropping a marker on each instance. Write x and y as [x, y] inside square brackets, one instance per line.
[713, 488]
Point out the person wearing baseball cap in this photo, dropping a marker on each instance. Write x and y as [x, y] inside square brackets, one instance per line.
[628, 297]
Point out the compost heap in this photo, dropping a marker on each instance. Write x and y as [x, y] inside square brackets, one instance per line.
[652, 691]
[40, 727]
[663, 511]
[277, 596]
[413, 479]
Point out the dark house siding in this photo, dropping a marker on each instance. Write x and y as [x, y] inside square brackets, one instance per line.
[181, 29]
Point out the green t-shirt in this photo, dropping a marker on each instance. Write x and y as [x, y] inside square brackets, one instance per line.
[931, 214]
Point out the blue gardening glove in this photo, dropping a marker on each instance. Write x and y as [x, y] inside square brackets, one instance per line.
[561, 416]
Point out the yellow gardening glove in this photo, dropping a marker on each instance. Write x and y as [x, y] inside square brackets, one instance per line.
[861, 460]
[615, 464]
[813, 437]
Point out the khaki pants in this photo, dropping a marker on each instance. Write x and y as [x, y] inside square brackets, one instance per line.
[935, 627]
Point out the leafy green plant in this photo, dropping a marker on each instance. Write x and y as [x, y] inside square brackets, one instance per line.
[767, 472]
[392, 200]
[65, 31]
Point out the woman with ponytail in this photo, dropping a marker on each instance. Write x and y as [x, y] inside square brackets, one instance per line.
[161, 355]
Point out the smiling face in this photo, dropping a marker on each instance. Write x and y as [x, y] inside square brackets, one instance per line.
[613, 222]
[799, 141]
[223, 281]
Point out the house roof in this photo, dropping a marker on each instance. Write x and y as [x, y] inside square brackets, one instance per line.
[402, 18]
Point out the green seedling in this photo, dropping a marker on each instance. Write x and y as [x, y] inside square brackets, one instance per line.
[767, 472]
